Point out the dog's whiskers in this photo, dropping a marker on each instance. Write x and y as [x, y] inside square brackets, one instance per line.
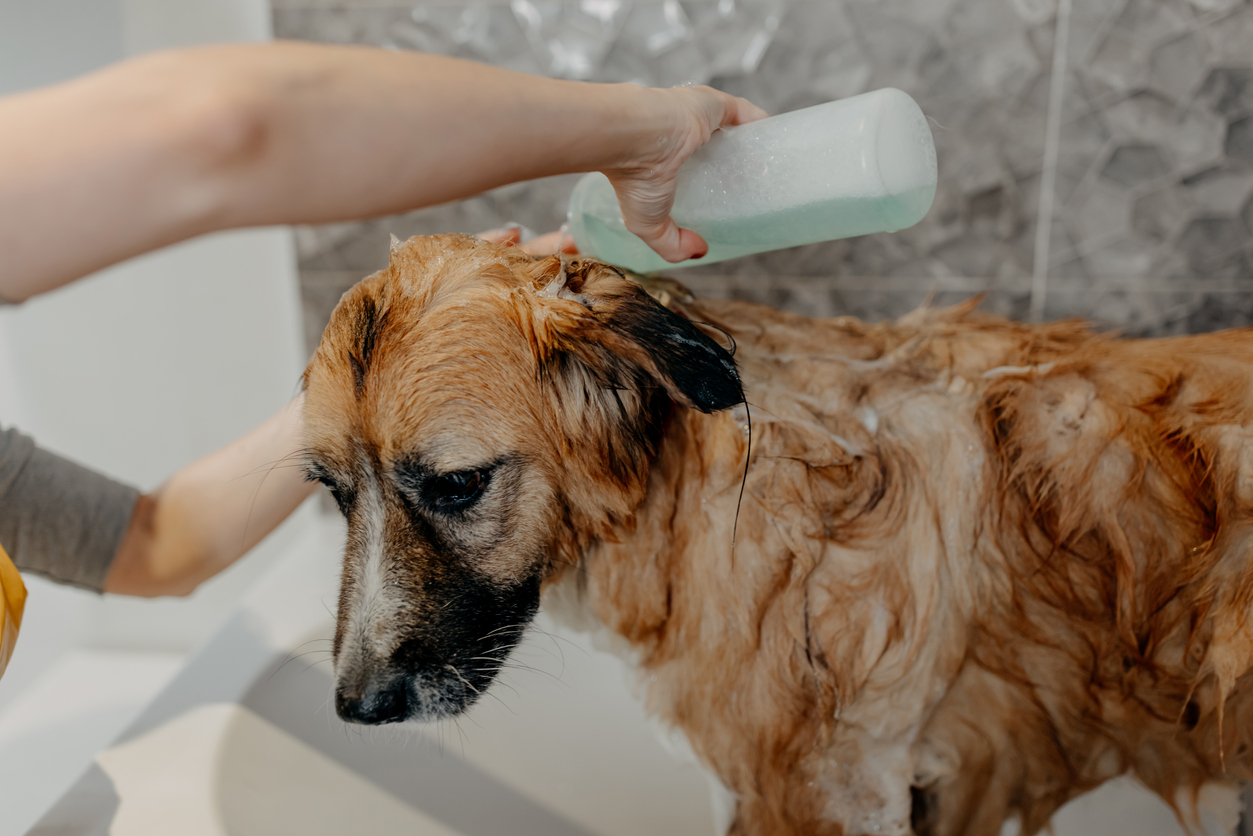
[464, 681]
[515, 627]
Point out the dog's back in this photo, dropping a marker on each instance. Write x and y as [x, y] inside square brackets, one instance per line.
[981, 567]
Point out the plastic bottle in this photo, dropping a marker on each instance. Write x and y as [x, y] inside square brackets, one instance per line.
[849, 167]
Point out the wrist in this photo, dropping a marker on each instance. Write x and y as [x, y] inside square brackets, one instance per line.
[649, 131]
[615, 127]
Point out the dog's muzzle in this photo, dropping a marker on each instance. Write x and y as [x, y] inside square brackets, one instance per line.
[383, 698]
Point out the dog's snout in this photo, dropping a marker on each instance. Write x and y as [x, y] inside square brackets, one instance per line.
[383, 699]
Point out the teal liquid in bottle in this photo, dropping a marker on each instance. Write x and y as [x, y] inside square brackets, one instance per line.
[837, 170]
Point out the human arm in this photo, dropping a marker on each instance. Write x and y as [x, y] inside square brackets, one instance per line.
[207, 515]
[164, 147]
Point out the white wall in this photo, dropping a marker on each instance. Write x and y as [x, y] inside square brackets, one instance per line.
[45, 41]
[158, 24]
[151, 363]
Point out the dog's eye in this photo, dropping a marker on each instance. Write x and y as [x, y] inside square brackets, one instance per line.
[456, 491]
[337, 493]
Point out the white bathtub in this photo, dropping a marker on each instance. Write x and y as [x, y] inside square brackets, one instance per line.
[245, 742]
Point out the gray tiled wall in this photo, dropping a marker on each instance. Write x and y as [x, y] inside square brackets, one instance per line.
[1096, 156]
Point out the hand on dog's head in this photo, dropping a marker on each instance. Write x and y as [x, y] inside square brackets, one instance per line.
[480, 417]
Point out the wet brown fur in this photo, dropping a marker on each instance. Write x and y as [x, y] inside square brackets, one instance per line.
[981, 567]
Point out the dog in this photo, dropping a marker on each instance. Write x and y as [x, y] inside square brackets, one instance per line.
[921, 576]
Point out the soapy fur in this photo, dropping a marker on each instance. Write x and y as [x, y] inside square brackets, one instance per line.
[981, 566]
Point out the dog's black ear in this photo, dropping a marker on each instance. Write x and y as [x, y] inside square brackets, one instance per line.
[635, 327]
[694, 369]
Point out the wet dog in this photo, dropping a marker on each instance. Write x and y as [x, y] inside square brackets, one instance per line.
[979, 567]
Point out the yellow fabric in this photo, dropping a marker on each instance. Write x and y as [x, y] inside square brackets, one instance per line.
[12, 601]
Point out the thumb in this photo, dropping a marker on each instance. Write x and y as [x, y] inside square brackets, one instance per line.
[674, 243]
[646, 213]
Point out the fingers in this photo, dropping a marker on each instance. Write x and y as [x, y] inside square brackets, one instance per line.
[546, 244]
[741, 112]
[550, 243]
[722, 110]
[647, 195]
[692, 244]
[558, 241]
[646, 214]
[503, 235]
[672, 242]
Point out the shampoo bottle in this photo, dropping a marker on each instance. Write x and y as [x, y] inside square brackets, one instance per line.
[844, 168]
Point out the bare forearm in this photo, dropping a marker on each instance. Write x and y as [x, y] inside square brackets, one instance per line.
[106, 167]
[354, 132]
[165, 147]
[213, 511]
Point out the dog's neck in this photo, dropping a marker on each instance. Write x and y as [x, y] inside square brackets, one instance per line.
[630, 535]
[608, 477]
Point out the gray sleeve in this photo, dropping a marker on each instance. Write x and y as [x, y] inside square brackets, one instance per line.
[57, 518]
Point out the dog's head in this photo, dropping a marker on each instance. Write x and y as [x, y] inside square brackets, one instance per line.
[480, 416]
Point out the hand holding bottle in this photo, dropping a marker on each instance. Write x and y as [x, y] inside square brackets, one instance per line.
[645, 186]
[844, 168]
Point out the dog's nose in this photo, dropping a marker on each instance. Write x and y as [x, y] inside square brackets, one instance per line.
[383, 700]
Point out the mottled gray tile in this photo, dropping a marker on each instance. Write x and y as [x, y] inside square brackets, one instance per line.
[1221, 189]
[1129, 256]
[930, 13]
[1035, 12]
[1090, 23]
[1214, 5]
[1239, 142]
[1100, 211]
[1150, 21]
[894, 43]
[1191, 137]
[1229, 90]
[682, 65]
[1082, 143]
[870, 300]
[969, 255]
[1154, 215]
[1163, 78]
[818, 27]
[1134, 164]
[839, 72]
[655, 28]
[1118, 65]
[822, 260]
[486, 31]
[346, 25]
[1214, 243]
[1161, 214]
[1178, 65]
[1230, 36]
[1140, 313]
[1024, 131]
[1213, 312]
[1131, 312]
